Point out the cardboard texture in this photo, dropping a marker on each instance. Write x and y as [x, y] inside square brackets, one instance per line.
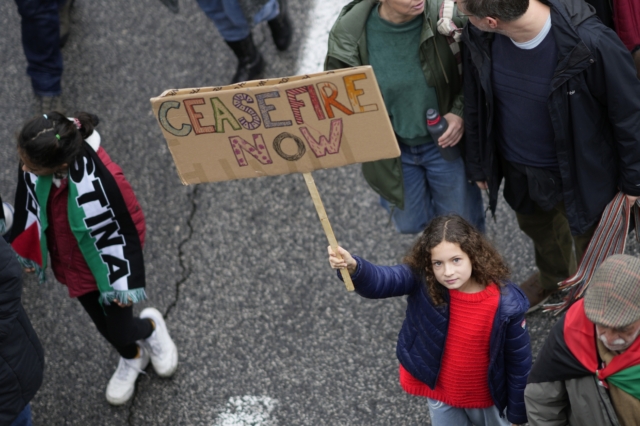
[276, 126]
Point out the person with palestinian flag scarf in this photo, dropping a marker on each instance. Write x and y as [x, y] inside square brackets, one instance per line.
[74, 205]
[588, 371]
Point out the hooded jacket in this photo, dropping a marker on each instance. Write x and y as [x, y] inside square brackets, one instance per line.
[348, 48]
[594, 105]
[423, 334]
[21, 355]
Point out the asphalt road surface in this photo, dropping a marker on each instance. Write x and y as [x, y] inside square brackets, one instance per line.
[267, 335]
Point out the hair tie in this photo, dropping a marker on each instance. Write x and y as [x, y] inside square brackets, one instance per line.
[57, 136]
[45, 116]
[78, 123]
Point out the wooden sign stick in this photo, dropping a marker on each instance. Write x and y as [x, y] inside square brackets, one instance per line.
[322, 214]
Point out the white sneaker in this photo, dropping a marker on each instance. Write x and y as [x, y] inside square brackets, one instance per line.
[122, 383]
[163, 352]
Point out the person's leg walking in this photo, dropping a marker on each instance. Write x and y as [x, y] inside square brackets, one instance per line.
[229, 19]
[486, 417]
[116, 324]
[553, 244]
[418, 210]
[122, 330]
[446, 415]
[554, 254]
[450, 190]
[40, 25]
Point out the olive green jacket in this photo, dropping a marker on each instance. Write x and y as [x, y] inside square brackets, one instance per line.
[348, 48]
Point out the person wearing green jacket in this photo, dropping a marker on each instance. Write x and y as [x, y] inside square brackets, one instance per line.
[416, 70]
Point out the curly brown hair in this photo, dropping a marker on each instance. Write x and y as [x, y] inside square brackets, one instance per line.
[487, 264]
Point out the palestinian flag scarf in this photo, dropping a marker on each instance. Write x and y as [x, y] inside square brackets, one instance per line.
[99, 220]
[570, 352]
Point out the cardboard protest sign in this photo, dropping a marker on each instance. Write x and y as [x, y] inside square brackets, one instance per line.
[276, 126]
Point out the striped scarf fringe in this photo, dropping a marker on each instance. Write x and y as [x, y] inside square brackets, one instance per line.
[609, 238]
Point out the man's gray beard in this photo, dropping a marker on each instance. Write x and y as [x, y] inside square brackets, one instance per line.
[620, 344]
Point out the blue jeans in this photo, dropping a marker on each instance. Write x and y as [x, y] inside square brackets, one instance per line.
[230, 21]
[446, 415]
[41, 44]
[24, 418]
[433, 187]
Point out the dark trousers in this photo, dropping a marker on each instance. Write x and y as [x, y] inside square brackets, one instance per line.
[41, 44]
[116, 324]
[553, 243]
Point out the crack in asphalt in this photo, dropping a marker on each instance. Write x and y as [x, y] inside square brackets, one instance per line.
[186, 273]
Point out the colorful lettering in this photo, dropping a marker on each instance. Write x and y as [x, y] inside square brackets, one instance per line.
[329, 99]
[296, 104]
[323, 146]
[255, 119]
[163, 111]
[265, 110]
[258, 150]
[195, 116]
[353, 93]
[222, 114]
[277, 145]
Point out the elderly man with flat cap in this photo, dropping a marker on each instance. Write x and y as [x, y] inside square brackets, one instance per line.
[588, 371]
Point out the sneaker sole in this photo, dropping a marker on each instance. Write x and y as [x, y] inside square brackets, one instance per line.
[174, 350]
[120, 401]
[174, 364]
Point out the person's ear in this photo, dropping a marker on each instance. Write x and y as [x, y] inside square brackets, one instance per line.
[492, 22]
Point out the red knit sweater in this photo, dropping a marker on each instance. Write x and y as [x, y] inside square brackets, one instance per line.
[463, 380]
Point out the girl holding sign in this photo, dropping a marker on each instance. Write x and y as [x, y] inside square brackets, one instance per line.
[416, 70]
[74, 204]
[464, 344]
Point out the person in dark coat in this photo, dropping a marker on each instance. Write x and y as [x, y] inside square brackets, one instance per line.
[552, 105]
[21, 355]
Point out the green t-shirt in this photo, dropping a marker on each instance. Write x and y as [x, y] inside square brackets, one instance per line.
[395, 58]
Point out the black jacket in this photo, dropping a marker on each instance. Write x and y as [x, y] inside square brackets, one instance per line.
[21, 355]
[594, 104]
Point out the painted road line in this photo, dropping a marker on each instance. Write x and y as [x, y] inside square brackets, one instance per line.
[314, 48]
[247, 410]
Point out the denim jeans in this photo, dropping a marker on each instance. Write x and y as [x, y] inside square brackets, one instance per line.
[446, 415]
[24, 418]
[433, 187]
[41, 44]
[229, 19]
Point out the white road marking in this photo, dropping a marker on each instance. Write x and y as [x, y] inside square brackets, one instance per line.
[248, 410]
[322, 17]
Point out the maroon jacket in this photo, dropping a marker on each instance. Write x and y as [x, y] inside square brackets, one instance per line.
[67, 262]
[623, 16]
[626, 19]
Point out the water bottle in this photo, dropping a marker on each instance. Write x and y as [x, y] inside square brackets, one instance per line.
[437, 125]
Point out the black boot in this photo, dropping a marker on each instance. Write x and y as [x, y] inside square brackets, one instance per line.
[250, 62]
[280, 27]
